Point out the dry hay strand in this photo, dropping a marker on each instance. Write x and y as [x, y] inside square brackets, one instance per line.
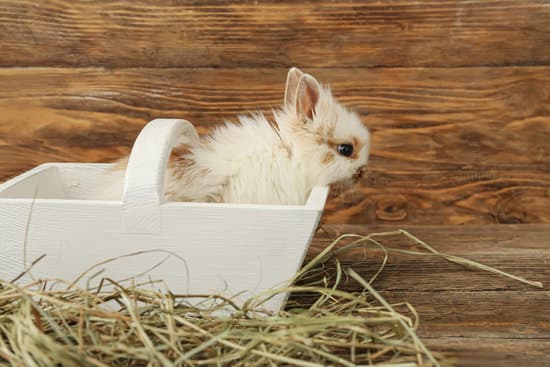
[147, 325]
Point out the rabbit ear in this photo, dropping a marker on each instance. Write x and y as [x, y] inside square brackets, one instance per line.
[292, 79]
[307, 95]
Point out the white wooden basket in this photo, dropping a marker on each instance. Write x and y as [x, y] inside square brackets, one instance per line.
[195, 248]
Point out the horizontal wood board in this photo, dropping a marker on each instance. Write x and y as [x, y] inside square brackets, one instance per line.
[168, 33]
[449, 146]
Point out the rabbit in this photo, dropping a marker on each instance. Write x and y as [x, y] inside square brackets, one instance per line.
[316, 142]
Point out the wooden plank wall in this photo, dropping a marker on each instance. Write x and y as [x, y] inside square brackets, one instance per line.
[484, 320]
[457, 92]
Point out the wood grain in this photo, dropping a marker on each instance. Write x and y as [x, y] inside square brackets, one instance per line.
[493, 352]
[478, 318]
[499, 249]
[482, 194]
[458, 101]
[165, 33]
[420, 118]
[450, 146]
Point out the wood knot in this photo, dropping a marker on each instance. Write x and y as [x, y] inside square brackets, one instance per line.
[391, 208]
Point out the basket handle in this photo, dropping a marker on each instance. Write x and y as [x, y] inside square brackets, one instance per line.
[144, 182]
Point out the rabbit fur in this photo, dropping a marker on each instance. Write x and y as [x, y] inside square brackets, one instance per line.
[256, 162]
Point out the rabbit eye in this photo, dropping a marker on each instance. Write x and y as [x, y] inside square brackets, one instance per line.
[345, 149]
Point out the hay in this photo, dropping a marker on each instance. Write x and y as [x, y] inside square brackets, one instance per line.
[152, 327]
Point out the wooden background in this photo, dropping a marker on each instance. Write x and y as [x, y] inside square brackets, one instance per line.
[457, 92]
[458, 101]
[478, 319]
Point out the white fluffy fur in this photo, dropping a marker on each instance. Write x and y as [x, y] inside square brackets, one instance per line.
[256, 162]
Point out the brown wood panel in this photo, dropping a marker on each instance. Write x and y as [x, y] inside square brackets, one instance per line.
[165, 33]
[493, 352]
[480, 314]
[422, 118]
[501, 249]
[463, 145]
[454, 300]
[478, 318]
[480, 194]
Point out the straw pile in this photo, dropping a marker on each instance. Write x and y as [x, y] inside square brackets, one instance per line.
[145, 325]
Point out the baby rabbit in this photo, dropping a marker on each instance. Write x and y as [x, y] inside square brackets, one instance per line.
[316, 142]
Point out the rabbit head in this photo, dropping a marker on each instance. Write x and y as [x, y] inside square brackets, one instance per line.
[329, 140]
